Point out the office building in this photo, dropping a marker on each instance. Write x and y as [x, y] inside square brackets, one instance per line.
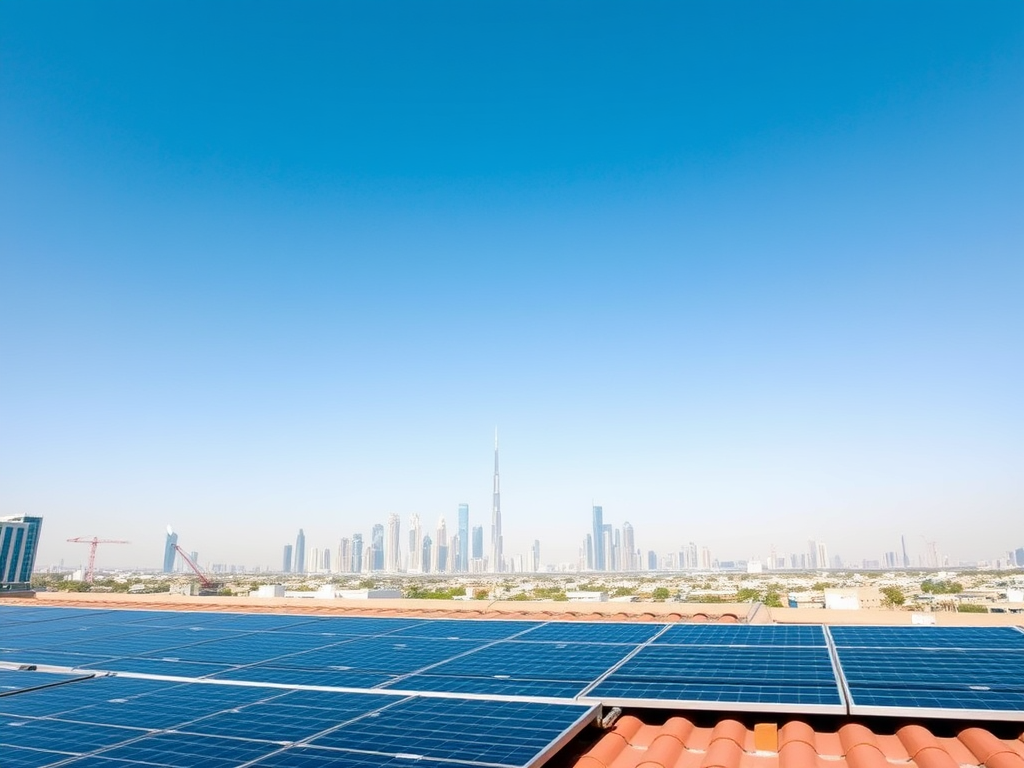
[19, 541]
[463, 559]
[497, 555]
[300, 552]
[357, 553]
[427, 553]
[343, 562]
[629, 548]
[599, 551]
[478, 542]
[170, 550]
[415, 563]
[392, 545]
[286, 565]
[377, 547]
[535, 556]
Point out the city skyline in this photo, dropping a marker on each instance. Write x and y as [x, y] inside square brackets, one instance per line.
[290, 268]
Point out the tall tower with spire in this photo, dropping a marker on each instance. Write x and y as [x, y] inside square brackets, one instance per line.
[497, 560]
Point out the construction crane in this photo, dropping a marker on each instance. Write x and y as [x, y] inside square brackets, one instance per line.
[93, 543]
[204, 580]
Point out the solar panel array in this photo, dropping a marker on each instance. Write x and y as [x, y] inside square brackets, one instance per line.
[933, 671]
[107, 720]
[235, 689]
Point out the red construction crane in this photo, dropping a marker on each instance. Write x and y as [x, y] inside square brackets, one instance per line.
[204, 580]
[93, 543]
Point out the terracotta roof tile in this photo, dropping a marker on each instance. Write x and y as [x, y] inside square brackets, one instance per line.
[679, 743]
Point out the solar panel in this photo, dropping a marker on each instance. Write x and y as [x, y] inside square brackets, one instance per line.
[336, 678]
[190, 724]
[13, 680]
[57, 736]
[390, 654]
[774, 635]
[318, 757]
[489, 686]
[495, 732]
[746, 678]
[466, 629]
[185, 750]
[927, 637]
[593, 632]
[573, 662]
[952, 672]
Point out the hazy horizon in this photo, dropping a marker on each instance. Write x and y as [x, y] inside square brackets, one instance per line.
[742, 275]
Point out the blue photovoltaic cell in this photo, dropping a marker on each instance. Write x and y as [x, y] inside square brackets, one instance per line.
[351, 625]
[318, 757]
[92, 761]
[757, 675]
[1005, 638]
[183, 750]
[593, 632]
[253, 648]
[668, 691]
[21, 680]
[394, 655]
[166, 667]
[53, 658]
[61, 736]
[15, 757]
[466, 629]
[772, 635]
[536, 661]
[61, 699]
[323, 677]
[490, 686]
[290, 717]
[989, 701]
[929, 668]
[143, 643]
[502, 732]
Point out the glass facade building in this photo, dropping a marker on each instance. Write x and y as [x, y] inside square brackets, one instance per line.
[170, 550]
[19, 540]
[463, 564]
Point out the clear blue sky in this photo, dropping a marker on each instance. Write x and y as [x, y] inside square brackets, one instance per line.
[743, 273]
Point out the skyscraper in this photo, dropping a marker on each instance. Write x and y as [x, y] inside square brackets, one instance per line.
[906, 557]
[377, 547]
[629, 548]
[415, 545]
[343, 563]
[300, 552]
[496, 541]
[357, 553]
[170, 550]
[441, 549]
[464, 537]
[478, 542]
[286, 566]
[599, 562]
[19, 540]
[392, 545]
[535, 556]
[427, 553]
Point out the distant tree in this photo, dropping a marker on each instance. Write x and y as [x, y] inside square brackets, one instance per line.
[772, 599]
[622, 592]
[661, 594]
[892, 597]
